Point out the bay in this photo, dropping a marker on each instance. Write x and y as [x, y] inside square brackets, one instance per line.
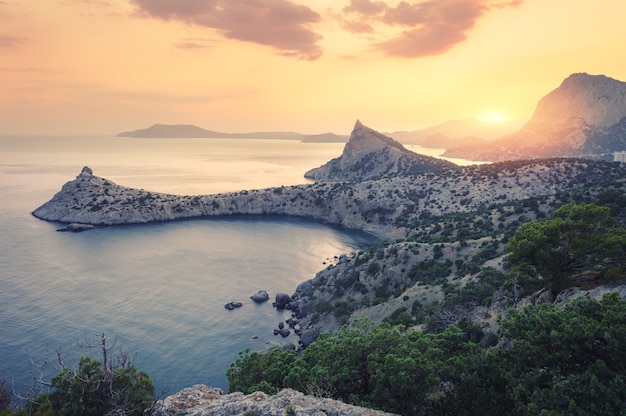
[157, 290]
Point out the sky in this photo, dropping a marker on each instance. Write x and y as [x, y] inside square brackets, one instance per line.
[72, 67]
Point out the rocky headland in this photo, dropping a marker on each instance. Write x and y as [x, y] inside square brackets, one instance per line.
[387, 207]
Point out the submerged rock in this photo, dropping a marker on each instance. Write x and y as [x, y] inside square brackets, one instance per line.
[76, 227]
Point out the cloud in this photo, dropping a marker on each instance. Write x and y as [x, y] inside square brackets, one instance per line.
[11, 41]
[280, 24]
[428, 27]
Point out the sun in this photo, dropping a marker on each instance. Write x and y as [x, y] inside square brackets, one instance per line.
[493, 116]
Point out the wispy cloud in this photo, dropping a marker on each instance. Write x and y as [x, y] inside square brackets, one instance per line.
[193, 43]
[11, 41]
[428, 27]
[281, 24]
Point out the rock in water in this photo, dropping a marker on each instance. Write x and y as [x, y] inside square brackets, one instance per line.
[282, 300]
[76, 227]
[260, 297]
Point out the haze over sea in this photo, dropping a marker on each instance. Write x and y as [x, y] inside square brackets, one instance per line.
[159, 289]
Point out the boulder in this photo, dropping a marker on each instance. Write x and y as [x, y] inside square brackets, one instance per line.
[233, 305]
[260, 297]
[282, 300]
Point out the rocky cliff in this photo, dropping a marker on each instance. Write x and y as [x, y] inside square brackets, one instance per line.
[372, 155]
[584, 117]
[200, 400]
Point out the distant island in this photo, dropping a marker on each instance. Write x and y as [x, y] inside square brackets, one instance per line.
[189, 131]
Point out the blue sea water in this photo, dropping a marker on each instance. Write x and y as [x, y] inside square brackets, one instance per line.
[157, 291]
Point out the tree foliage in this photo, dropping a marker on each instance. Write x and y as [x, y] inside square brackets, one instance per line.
[582, 242]
[370, 365]
[549, 362]
[95, 389]
[111, 386]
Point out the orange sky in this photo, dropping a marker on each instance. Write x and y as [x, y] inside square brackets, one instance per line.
[105, 66]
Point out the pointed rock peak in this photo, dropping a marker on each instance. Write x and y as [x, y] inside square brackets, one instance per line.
[369, 138]
[86, 171]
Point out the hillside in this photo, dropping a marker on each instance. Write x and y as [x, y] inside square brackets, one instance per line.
[584, 117]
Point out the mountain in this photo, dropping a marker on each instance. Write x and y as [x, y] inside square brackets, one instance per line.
[172, 131]
[189, 131]
[450, 132]
[372, 155]
[584, 117]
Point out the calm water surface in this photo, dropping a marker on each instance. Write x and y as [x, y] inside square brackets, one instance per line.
[158, 289]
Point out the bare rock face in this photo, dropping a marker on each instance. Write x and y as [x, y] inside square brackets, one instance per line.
[582, 100]
[584, 117]
[201, 400]
[372, 155]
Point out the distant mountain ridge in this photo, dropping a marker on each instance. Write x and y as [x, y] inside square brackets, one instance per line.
[189, 131]
[372, 155]
[584, 117]
[450, 132]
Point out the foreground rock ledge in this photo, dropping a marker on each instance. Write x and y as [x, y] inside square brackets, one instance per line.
[200, 400]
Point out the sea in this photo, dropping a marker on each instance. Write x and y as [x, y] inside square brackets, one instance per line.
[155, 291]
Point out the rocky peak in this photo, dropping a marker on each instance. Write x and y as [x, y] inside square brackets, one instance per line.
[85, 173]
[581, 100]
[366, 140]
[369, 154]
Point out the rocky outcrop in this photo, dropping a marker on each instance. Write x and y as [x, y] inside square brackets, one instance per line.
[584, 117]
[201, 400]
[372, 155]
